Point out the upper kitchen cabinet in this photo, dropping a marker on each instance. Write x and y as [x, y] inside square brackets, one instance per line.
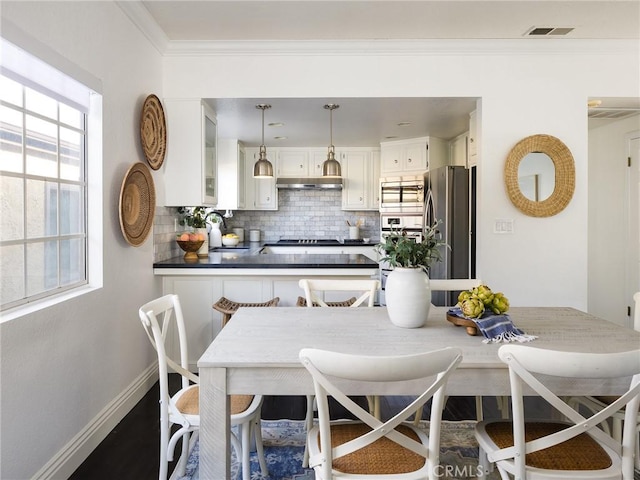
[231, 174]
[416, 155]
[300, 162]
[473, 139]
[459, 150]
[190, 168]
[293, 163]
[361, 174]
[261, 193]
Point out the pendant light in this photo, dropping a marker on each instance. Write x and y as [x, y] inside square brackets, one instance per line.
[263, 167]
[331, 167]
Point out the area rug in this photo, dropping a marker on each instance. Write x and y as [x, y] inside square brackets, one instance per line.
[284, 448]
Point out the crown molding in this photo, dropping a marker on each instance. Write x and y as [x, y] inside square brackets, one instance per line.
[142, 19]
[431, 47]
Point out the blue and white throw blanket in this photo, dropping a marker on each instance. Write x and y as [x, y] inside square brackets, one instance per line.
[496, 328]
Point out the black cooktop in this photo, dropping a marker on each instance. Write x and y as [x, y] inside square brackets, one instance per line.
[316, 241]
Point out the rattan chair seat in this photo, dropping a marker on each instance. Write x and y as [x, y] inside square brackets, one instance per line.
[579, 453]
[229, 307]
[302, 302]
[189, 402]
[383, 457]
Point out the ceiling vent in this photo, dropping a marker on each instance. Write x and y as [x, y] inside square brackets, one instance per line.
[548, 31]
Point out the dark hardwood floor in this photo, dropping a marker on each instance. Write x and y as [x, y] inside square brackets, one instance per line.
[131, 450]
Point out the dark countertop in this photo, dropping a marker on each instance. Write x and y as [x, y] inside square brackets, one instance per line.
[252, 258]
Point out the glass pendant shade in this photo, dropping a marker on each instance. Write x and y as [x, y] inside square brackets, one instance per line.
[331, 166]
[263, 167]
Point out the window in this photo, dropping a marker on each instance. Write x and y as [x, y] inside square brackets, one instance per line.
[43, 180]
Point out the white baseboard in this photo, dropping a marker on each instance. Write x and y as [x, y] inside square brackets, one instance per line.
[67, 460]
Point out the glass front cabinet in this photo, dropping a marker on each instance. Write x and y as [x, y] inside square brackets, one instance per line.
[190, 167]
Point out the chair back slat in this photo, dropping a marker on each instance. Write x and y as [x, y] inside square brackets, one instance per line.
[315, 290]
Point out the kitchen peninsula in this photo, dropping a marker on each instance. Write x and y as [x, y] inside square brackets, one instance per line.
[253, 273]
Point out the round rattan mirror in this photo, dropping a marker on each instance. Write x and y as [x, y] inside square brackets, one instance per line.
[564, 175]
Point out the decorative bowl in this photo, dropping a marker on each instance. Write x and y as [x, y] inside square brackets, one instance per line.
[230, 241]
[190, 247]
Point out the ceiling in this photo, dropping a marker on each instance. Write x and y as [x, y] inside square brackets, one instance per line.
[367, 121]
[390, 19]
[360, 122]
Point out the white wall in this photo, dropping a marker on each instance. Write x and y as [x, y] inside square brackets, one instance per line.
[62, 366]
[526, 87]
[608, 213]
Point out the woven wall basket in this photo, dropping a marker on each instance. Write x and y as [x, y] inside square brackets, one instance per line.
[565, 181]
[137, 204]
[153, 132]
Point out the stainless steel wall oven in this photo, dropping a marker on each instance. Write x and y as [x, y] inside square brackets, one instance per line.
[402, 194]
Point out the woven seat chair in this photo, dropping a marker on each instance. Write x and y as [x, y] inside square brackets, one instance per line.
[229, 307]
[182, 408]
[368, 447]
[577, 448]
[454, 286]
[596, 403]
[314, 291]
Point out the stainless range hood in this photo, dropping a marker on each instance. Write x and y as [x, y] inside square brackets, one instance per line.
[306, 183]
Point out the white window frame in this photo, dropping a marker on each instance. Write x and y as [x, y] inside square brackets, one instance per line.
[61, 69]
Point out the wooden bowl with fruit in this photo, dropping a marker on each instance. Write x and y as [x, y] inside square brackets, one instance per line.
[190, 243]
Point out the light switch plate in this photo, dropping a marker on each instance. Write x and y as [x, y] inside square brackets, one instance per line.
[503, 225]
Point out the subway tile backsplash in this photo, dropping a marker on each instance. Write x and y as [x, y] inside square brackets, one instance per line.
[311, 214]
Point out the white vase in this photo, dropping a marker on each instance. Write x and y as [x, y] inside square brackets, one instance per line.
[216, 235]
[408, 297]
[203, 251]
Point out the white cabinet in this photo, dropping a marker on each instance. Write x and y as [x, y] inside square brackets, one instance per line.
[458, 150]
[415, 155]
[375, 180]
[473, 139]
[196, 297]
[190, 167]
[317, 156]
[292, 163]
[299, 162]
[261, 193]
[360, 172]
[231, 174]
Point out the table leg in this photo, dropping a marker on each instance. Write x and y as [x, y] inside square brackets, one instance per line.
[215, 424]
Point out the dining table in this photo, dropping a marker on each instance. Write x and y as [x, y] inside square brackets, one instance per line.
[257, 353]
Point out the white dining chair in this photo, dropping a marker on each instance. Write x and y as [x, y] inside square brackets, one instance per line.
[159, 317]
[459, 285]
[596, 403]
[577, 448]
[368, 447]
[315, 291]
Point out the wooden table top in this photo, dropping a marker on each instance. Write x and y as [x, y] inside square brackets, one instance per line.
[272, 337]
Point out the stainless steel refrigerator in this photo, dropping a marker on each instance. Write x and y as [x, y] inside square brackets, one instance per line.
[451, 199]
